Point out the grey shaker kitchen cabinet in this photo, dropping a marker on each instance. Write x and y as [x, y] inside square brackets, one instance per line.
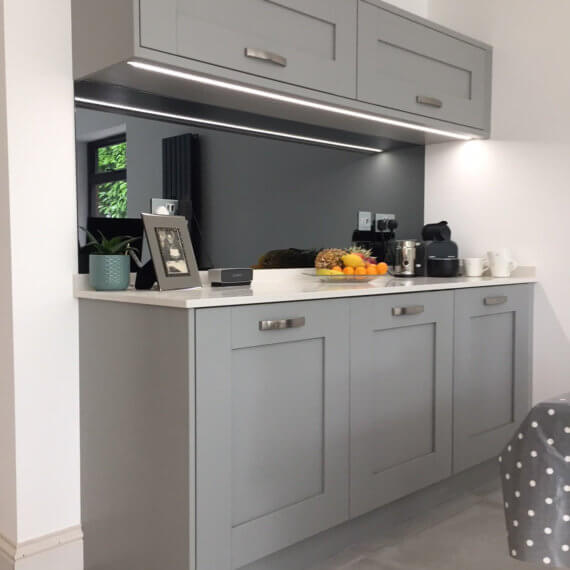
[311, 44]
[367, 56]
[272, 428]
[492, 369]
[400, 396]
[420, 68]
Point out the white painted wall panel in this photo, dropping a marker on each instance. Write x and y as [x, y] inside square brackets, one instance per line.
[39, 156]
[7, 419]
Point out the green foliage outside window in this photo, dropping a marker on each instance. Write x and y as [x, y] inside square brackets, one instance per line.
[112, 196]
[112, 157]
[112, 199]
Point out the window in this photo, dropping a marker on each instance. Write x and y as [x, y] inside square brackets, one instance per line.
[108, 177]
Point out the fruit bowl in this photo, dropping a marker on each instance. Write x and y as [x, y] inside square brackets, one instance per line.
[344, 278]
[355, 265]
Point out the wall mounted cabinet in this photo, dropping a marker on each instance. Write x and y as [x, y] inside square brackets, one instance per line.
[404, 64]
[362, 55]
[311, 44]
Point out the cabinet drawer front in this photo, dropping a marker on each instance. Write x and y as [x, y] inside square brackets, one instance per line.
[409, 66]
[400, 396]
[492, 369]
[312, 44]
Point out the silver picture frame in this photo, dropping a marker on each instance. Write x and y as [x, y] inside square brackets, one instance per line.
[171, 251]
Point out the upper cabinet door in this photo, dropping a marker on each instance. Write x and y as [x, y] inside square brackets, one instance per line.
[311, 43]
[493, 347]
[407, 65]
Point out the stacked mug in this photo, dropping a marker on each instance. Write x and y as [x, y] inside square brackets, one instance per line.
[499, 262]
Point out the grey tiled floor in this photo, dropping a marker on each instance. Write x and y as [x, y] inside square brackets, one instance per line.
[466, 534]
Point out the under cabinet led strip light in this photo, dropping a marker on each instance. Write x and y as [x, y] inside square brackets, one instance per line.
[220, 124]
[294, 100]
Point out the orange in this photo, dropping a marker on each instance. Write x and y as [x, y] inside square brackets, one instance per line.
[371, 270]
[336, 268]
[382, 268]
[348, 270]
[360, 271]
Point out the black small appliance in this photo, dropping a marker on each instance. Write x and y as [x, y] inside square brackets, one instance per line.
[439, 255]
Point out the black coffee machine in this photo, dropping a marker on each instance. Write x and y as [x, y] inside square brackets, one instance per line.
[438, 256]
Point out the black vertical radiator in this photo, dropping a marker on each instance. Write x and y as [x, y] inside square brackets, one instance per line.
[181, 181]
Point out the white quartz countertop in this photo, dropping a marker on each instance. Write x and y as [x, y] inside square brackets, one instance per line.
[281, 285]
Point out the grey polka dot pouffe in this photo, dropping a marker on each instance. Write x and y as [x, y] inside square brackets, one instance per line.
[535, 472]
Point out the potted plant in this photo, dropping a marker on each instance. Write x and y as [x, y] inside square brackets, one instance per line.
[110, 261]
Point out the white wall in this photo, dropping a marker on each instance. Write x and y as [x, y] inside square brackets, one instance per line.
[38, 186]
[513, 190]
[419, 7]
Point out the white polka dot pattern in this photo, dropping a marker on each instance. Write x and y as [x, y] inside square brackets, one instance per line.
[535, 473]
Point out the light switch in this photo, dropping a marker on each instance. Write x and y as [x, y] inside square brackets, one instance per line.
[364, 221]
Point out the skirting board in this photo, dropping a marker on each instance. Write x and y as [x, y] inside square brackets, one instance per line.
[62, 549]
[316, 550]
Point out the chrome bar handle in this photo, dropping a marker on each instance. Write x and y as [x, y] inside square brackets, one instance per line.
[429, 101]
[500, 300]
[268, 56]
[411, 310]
[282, 324]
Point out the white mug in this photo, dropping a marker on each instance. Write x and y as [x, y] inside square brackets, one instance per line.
[501, 263]
[475, 266]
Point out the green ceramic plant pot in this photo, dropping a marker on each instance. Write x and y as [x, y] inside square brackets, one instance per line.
[109, 272]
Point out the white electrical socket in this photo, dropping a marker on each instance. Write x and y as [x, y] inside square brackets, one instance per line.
[364, 221]
[164, 206]
[380, 217]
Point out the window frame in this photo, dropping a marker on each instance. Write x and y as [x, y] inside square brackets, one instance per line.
[95, 178]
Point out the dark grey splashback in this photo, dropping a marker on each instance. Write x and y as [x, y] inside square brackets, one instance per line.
[262, 193]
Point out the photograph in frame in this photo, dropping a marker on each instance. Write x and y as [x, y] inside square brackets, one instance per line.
[171, 251]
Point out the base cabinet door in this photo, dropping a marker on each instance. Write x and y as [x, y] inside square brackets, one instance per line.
[400, 396]
[492, 361]
[311, 44]
[272, 428]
